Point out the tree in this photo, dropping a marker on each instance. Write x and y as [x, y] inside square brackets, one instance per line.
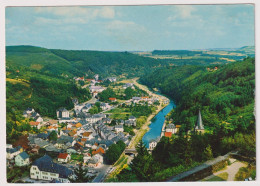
[113, 153]
[143, 165]
[53, 136]
[141, 149]
[80, 175]
[208, 153]
[121, 145]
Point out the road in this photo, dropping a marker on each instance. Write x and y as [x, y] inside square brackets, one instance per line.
[102, 173]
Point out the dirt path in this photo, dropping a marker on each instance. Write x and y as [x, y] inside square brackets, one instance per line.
[231, 170]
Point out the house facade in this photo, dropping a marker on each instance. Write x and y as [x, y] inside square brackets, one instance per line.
[22, 159]
[62, 113]
[45, 169]
[64, 157]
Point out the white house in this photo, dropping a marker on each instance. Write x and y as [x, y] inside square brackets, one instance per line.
[63, 113]
[96, 77]
[12, 152]
[119, 128]
[45, 169]
[87, 157]
[132, 118]
[171, 128]
[27, 112]
[152, 144]
[96, 161]
[22, 159]
[64, 157]
[96, 89]
[38, 119]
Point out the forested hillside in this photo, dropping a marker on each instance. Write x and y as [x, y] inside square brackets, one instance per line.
[225, 95]
[79, 63]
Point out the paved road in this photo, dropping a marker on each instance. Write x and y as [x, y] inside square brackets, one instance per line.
[102, 173]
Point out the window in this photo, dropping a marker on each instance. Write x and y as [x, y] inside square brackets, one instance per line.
[32, 174]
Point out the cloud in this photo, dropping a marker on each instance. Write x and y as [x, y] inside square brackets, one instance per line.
[88, 12]
[124, 25]
[183, 12]
[53, 21]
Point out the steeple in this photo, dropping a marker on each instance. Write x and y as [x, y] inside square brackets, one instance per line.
[199, 124]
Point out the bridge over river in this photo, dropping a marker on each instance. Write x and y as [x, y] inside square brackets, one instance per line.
[130, 151]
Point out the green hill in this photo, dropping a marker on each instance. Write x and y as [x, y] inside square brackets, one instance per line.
[224, 96]
[78, 63]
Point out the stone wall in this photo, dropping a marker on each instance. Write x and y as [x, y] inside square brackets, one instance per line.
[202, 171]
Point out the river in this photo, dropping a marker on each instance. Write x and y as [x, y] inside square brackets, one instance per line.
[157, 123]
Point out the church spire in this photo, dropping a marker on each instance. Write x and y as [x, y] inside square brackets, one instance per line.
[199, 124]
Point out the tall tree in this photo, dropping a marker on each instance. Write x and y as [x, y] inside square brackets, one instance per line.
[80, 175]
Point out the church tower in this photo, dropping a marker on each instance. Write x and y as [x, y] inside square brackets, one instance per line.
[199, 125]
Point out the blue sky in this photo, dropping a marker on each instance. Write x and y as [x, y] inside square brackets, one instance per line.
[131, 28]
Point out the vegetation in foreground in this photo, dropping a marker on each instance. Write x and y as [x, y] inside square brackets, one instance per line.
[226, 100]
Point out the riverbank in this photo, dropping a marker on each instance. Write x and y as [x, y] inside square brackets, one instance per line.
[145, 128]
[119, 165]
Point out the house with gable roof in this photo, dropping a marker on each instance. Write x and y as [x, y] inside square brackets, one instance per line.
[64, 157]
[45, 169]
[22, 159]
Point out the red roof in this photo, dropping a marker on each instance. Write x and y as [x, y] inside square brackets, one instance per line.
[33, 123]
[99, 150]
[89, 79]
[112, 99]
[168, 134]
[62, 155]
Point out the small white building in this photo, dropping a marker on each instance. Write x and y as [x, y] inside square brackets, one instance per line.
[119, 128]
[22, 159]
[27, 112]
[86, 157]
[171, 128]
[38, 119]
[63, 113]
[64, 157]
[12, 152]
[96, 89]
[152, 144]
[96, 161]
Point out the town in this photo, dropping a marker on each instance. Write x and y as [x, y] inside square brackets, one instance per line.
[56, 146]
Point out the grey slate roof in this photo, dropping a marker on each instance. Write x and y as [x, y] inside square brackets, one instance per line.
[119, 126]
[42, 135]
[132, 117]
[24, 155]
[64, 139]
[170, 126]
[46, 164]
[62, 110]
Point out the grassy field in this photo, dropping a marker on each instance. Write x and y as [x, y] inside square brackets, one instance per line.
[220, 177]
[119, 113]
[245, 172]
[15, 81]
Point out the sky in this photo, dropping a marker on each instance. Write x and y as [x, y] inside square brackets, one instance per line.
[132, 28]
